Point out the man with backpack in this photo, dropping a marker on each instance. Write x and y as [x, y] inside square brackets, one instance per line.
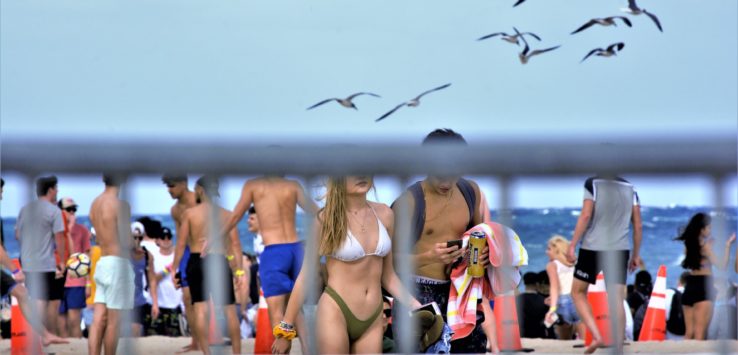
[442, 208]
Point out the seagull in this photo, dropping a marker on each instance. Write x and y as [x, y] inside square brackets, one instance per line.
[607, 21]
[510, 38]
[609, 52]
[527, 53]
[519, 2]
[412, 103]
[633, 9]
[347, 103]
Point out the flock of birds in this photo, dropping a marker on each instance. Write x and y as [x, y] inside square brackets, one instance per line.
[524, 56]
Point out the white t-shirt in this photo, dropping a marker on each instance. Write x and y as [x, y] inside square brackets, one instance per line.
[169, 297]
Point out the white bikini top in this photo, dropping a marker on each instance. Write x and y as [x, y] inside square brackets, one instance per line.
[351, 249]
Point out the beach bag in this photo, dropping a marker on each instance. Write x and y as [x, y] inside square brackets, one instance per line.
[675, 324]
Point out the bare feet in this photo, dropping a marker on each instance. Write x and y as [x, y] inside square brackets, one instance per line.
[596, 343]
[188, 348]
[50, 338]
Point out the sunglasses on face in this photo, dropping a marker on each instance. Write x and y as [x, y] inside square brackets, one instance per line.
[71, 209]
[387, 312]
[170, 186]
[138, 238]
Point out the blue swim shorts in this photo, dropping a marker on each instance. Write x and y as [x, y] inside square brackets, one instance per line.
[183, 268]
[74, 298]
[280, 265]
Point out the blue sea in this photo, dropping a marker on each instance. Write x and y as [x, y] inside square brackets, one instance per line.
[535, 227]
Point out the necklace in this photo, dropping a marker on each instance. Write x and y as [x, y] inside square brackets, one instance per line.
[446, 202]
[362, 220]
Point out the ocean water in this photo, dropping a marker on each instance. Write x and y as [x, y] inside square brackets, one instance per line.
[535, 227]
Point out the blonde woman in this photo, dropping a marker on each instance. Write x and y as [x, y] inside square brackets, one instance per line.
[354, 236]
[561, 273]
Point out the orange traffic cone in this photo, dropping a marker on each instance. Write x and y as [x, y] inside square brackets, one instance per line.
[264, 336]
[597, 298]
[215, 337]
[506, 319]
[23, 340]
[654, 324]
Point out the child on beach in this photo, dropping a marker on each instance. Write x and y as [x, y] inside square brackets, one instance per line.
[561, 274]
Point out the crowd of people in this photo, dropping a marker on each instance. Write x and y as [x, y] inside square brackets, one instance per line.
[169, 281]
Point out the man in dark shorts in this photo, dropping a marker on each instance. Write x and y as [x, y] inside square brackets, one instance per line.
[40, 233]
[442, 209]
[610, 206]
[195, 231]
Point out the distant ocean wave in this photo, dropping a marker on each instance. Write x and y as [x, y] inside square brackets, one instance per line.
[535, 227]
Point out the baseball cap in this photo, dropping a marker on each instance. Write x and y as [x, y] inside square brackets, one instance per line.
[166, 233]
[67, 202]
[138, 230]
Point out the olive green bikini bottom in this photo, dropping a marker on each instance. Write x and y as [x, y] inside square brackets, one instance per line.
[354, 326]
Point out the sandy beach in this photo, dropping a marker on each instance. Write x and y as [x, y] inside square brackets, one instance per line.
[166, 345]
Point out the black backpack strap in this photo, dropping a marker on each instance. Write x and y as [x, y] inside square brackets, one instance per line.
[467, 190]
[146, 267]
[418, 218]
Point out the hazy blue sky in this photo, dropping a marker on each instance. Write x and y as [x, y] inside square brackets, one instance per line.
[246, 70]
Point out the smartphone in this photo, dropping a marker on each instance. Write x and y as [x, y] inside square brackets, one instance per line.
[458, 242]
[430, 307]
[554, 319]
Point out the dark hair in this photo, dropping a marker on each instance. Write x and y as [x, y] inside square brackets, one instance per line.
[2, 182]
[691, 237]
[543, 278]
[112, 180]
[252, 210]
[44, 184]
[170, 179]
[209, 184]
[444, 135]
[643, 282]
[530, 278]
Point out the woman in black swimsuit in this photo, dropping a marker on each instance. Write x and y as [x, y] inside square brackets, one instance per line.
[697, 301]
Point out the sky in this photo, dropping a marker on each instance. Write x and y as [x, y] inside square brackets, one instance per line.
[246, 70]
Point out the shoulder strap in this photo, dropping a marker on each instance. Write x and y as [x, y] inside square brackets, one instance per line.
[146, 267]
[470, 197]
[418, 218]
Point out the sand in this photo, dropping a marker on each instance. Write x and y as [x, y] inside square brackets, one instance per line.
[164, 345]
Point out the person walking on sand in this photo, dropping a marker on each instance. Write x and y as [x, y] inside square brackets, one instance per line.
[113, 274]
[355, 239]
[561, 276]
[610, 207]
[276, 199]
[195, 231]
[699, 291]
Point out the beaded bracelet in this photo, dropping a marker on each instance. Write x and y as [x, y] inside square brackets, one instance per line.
[239, 273]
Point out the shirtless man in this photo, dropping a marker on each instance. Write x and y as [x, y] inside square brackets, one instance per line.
[114, 275]
[194, 231]
[443, 208]
[276, 199]
[178, 190]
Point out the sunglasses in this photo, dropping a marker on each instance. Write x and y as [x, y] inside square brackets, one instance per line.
[387, 312]
[71, 209]
[138, 238]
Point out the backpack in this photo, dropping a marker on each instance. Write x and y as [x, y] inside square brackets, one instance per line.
[638, 318]
[675, 324]
[418, 218]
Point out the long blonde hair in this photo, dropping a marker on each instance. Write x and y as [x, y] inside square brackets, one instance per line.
[561, 246]
[333, 216]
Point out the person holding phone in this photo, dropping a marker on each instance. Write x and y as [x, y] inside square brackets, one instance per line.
[442, 209]
[354, 236]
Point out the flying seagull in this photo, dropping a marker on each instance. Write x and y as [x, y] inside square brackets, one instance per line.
[412, 103]
[519, 2]
[526, 54]
[633, 9]
[607, 21]
[347, 102]
[611, 50]
[510, 38]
